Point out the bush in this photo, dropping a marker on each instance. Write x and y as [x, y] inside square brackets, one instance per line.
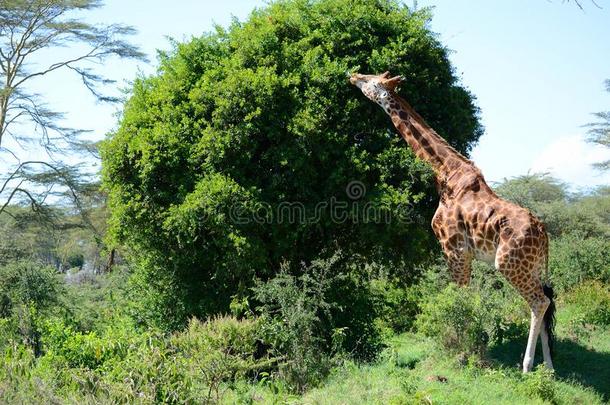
[561, 211]
[541, 384]
[240, 122]
[470, 319]
[125, 365]
[220, 351]
[592, 302]
[575, 259]
[397, 305]
[310, 319]
[456, 318]
[87, 349]
[28, 291]
[293, 312]
[27, 283]
[96, 303]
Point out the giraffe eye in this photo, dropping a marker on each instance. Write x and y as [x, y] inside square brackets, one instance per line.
[383, 94]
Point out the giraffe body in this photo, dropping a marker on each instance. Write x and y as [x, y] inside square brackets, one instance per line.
[471, 220]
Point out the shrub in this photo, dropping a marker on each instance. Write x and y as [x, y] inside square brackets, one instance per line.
[293, 312]
[89, 349]
[27, 283]
[27, 292]
[469, 319]
[96, 303]
[592, 302]
[541, 384]
[309, 319]
[574, 259]
[456, 318]
[126, 365]
[561, 211]
[219, 351]
[396, 304]
[241, 121]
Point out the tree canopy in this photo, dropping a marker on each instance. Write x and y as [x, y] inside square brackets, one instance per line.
[224, 160]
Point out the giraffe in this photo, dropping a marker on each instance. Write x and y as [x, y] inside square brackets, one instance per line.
[471, 220]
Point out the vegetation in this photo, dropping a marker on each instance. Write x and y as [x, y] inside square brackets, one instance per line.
[289, 341]
[39, 38]
[254, 129]
[223, 297]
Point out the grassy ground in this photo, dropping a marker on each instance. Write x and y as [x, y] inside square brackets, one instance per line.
[414, 371]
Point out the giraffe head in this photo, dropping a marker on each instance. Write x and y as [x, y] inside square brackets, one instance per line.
[376, 87]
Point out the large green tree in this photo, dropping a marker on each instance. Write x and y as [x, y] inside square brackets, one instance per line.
[223, 161]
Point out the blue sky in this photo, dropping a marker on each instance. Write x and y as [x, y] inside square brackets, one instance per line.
[537, 68]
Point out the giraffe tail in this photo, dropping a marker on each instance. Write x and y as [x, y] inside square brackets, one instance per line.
[549, 316]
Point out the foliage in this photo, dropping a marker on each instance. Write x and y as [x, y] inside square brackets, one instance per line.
[397, 305]
[532, 189]
[560, 210]
[94, 302]
[469, 320]
[455, 317]
[539, 383]
[60, 240]
[574, 259]
[310, 319]
[222, 349]
[124, 364]
[27, 283]
[592, 300]
[245, 119]
[27, 291]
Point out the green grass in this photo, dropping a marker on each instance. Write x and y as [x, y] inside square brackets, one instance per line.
[413, 370]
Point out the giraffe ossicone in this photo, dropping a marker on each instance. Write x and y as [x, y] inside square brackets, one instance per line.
[471, 221]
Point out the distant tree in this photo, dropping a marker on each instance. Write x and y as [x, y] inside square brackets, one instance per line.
[562, 212]
[529, 190]
[28, 289]
[599, 132]
[29, 28]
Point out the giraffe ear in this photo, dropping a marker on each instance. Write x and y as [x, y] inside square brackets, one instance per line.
[385, 75]
[392, 83]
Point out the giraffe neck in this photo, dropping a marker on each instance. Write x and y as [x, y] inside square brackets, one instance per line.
[424, 141]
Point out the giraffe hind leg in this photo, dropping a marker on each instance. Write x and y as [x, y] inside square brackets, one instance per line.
[525, 279]
[546, 332]
[538, 308]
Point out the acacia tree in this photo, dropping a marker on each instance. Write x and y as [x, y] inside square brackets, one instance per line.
[28, 28]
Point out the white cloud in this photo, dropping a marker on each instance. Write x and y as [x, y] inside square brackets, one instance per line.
[569, 158]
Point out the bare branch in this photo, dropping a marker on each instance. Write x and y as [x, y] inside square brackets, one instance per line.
[579, 3]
